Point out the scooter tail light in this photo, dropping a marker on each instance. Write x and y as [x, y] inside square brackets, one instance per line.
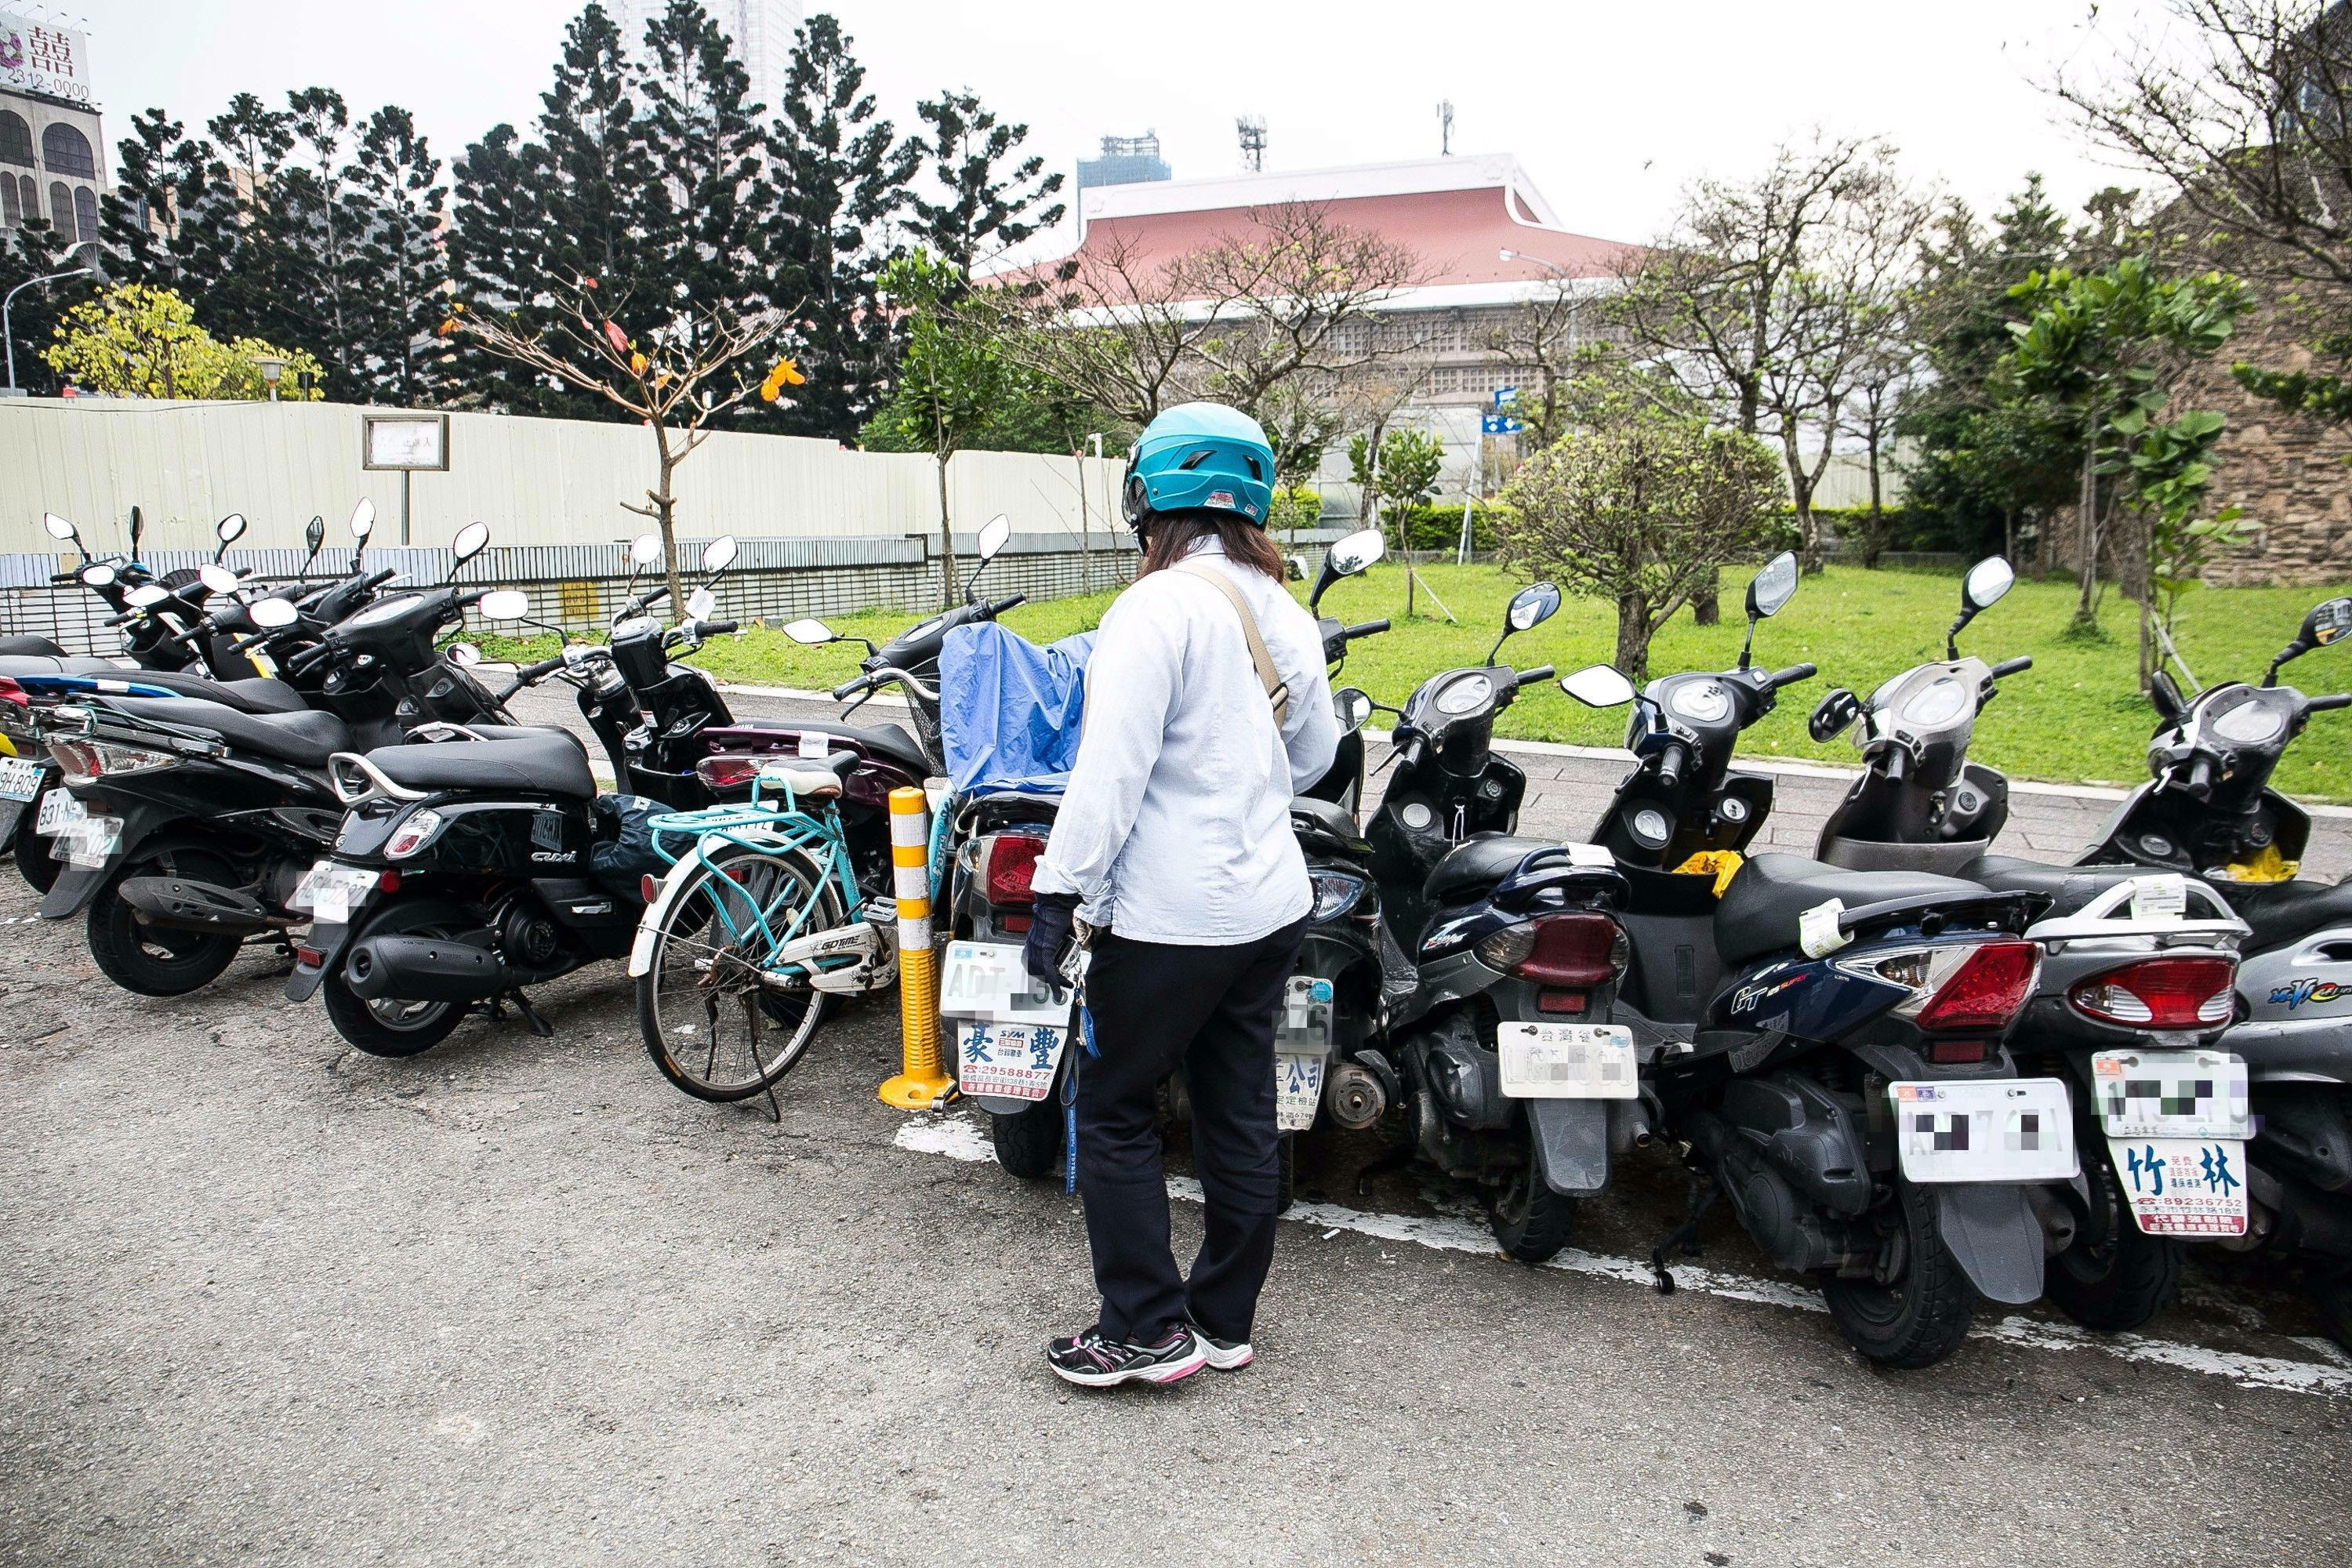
[1565, 952]
[1012, 867]
[1984, 990]
[2180, 992]
[411, 834]
[88, 759]
[724, 773]
[13, 694]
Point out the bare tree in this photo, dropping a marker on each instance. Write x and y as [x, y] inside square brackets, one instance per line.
[1542, 339]
[677, 379]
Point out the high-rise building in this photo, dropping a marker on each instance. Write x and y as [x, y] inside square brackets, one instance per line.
[52, 148]
[762, 31]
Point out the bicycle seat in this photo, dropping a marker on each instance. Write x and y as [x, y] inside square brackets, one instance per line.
[807, 778]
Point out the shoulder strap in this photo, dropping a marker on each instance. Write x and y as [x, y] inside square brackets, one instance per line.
[1276, 691]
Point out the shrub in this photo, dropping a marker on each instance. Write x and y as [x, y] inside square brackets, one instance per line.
[1439, 527]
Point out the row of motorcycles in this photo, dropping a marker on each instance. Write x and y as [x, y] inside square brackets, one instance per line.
[1921, 1073]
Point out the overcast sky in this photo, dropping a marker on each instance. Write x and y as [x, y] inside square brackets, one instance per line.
[1611, 108]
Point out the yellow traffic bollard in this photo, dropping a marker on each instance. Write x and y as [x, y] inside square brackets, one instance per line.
[920, 1080]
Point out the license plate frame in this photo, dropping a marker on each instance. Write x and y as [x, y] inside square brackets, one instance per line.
[2135, 1093]
[989, 982]
[20, 778]
[60, 809]
[1567, 1061]
[1985, 1130]
[2188, 1188]
[333, 891]
[1009, 1061]
[1297, 1089]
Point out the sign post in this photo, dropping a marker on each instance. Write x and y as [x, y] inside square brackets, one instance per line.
[406, 443]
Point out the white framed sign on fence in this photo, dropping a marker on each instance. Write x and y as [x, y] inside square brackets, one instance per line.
[408, 443]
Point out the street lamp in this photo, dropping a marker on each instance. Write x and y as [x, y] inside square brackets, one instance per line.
[271, 368]
[7, 329]
[1522, 256]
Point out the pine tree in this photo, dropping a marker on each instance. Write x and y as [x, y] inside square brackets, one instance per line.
[988, 209]
[842, 176]
[243, 261]
[711, 199]
[400, 265]
[597, 171]
[157, 170]
[315, 220]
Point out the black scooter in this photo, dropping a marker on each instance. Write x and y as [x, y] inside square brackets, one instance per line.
[1827, 1042]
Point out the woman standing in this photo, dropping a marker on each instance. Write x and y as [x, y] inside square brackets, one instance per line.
[1207, 707]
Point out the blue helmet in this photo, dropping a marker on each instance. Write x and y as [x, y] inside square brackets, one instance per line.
[1200, 455]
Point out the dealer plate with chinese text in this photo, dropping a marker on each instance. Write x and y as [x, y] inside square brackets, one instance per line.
[2183, 1186]
[1010, 1061]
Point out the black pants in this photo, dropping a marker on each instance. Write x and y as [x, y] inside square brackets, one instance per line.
[1159, 1007]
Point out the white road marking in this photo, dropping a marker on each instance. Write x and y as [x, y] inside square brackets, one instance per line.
[960, 1138]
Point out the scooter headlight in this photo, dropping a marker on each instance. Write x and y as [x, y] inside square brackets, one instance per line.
[411, 835]
[1335, 894]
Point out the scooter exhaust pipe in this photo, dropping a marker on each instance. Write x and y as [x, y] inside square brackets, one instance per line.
[178, 904]
[424, 969]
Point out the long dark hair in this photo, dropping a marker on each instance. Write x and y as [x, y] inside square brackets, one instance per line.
[1169, 537]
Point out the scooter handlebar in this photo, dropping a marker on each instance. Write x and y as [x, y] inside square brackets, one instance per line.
[1530, 677]
[2341, 699]
[2009, 667]
[714, 629]
[1790, 675]
[1015, 601]
[1368, 629]
[842, 693]
[1671, 763]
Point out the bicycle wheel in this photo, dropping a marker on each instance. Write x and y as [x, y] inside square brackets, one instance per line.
[717, 1020]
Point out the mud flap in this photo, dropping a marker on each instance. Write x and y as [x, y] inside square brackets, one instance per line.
[326, 940]
[1992, 1234]
[1571, 1138]
[76, 885]
[12, 812]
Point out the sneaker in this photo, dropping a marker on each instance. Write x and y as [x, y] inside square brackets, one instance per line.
[1092, 1361]
[1226, 1355]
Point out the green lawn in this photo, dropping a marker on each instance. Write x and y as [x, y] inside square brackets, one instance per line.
[2075, 717]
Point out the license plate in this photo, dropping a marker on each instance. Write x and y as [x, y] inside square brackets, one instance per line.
[989, 980]
[1567, 1061]
[19, 780]
[93, 840]
[2003, 1130]
[2172, 1094]
[1303, 1026]
[1013, 1061]
[330, 891]
[1297, 1089]
[60, 811]
[2183, 1186]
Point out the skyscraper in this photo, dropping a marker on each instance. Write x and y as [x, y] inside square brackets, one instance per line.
[762, 31]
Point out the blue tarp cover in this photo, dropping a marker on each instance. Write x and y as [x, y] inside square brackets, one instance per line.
[1009, 710]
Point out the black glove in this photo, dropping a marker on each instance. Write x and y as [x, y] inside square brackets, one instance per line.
[1050, 939]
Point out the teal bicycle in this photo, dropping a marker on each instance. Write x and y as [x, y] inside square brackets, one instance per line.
[758, 926]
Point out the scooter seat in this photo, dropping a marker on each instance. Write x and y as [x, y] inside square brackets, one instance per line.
[1327, 816]
[306, 739]
[256, 696]
[1472, 869]
[1759, 912]
[546, 762]
[2068, 887]
[2281, 912]
[886, 741]
[33, 661]
[14, 646]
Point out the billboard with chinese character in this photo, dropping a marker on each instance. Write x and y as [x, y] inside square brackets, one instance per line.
[40, 57]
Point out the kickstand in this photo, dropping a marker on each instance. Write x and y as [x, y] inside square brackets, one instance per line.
[776, 1111]
[1683, 1237]
[539, 1026]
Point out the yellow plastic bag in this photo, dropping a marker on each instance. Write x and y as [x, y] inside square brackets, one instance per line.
[1720, 863]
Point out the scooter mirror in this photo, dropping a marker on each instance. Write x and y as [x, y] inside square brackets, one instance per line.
[216, 579]
[2162, 693]
[720, 553]
[272, 614]
[506, 605]
[994, 533]
[644, 550]
[465, 655]
[1532, 606]
[1599, 686]
[230, 529]
[98, 576]
[2328, 623]
[315, 533]
[1833, 716]
[1987, 581]
[363, 518]
[1357, 552]
[1352, 708]
[1774, 585]
[152, 593]
[471, 540]
[57, 527]
[1294, 567]
[809, 633]
[700, 604]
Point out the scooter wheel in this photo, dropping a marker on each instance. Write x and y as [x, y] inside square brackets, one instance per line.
[2123, 1278]
[1531, 1222]
[1028, 1142]
[388, 1027]
[1914, 1311]
[158, 961]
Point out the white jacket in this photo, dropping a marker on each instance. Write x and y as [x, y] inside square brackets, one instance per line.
[1176, 825]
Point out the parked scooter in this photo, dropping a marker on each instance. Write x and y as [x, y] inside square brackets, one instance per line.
[2210, 810]
[2135, 987]
[1827, 1041]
